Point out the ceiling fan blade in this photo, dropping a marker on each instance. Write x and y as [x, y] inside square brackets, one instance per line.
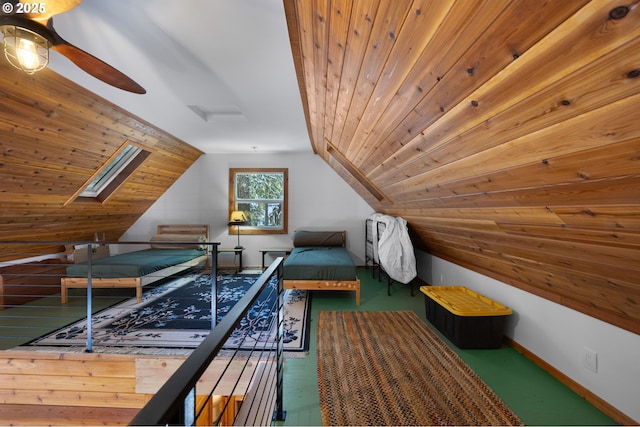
[96, 67]
[42, 10]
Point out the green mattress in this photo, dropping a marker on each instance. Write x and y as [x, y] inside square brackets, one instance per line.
[134, 264]
[319, 263]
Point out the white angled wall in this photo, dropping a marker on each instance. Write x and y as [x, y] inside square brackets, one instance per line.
[557, 334]
[318, 199]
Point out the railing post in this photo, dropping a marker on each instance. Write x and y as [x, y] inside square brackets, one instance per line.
[89, 348]
[214, 285]
[279, 414]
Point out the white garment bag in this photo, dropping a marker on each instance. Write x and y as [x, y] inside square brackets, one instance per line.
[394, 251]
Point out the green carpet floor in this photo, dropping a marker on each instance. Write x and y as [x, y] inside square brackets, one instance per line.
[21, 324]
[535, 396]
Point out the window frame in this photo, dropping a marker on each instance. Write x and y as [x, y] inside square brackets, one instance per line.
[120, 172]
[246, 229]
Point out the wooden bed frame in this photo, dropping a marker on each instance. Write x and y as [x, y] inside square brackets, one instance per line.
[326, 285]
[138, 282]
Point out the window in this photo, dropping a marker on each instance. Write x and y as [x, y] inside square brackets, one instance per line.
[112, 169]
[262, 195]
[112, 174]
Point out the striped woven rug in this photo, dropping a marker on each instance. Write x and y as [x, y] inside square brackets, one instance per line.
[389, 368]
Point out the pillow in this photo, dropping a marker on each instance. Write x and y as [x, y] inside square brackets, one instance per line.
[318, 238]
[166, 238]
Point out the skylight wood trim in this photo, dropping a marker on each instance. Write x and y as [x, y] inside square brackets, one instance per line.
[355, 172]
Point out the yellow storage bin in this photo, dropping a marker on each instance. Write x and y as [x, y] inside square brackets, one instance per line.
[468, 319]
[464, 302]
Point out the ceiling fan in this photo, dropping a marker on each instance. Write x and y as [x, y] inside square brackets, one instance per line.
[28, 32]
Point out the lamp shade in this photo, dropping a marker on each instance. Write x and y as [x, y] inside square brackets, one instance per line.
[237, 217]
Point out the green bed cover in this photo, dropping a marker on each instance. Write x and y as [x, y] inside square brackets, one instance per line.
[319, 263]
[134, 264]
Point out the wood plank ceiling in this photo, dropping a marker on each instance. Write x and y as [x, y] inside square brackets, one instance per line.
[54, 135]
[507, 133]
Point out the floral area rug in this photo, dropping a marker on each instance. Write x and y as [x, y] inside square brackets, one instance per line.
[177, 314]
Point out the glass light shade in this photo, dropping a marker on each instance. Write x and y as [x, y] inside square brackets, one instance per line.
[24, 49]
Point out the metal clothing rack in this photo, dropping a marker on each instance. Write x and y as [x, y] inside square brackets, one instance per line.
[370, 253]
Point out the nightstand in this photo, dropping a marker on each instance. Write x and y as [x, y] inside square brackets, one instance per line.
[237, 251]
[264, 251]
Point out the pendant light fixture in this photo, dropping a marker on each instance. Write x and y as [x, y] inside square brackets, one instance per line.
[25, 49]
[27, 38]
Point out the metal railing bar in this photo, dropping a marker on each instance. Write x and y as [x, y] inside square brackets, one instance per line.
[264, 353]
[248, 360]
[100, 242]
[89, 324]
[70, 317]
[89, 302]
[235, 386]
[280, 414]
[167, 402]
[257, 402]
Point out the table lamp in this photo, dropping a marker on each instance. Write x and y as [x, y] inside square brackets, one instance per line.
[238, 218]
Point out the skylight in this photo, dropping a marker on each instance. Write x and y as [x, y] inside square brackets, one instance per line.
[111, 175]
[115, 166]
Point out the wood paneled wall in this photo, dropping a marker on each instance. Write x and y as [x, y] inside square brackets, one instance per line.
[54, 135]
[507, 133]
[49, 388]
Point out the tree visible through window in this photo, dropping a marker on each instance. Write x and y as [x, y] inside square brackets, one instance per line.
[262, 195]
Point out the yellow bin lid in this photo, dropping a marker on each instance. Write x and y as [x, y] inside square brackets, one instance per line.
[464, 302]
